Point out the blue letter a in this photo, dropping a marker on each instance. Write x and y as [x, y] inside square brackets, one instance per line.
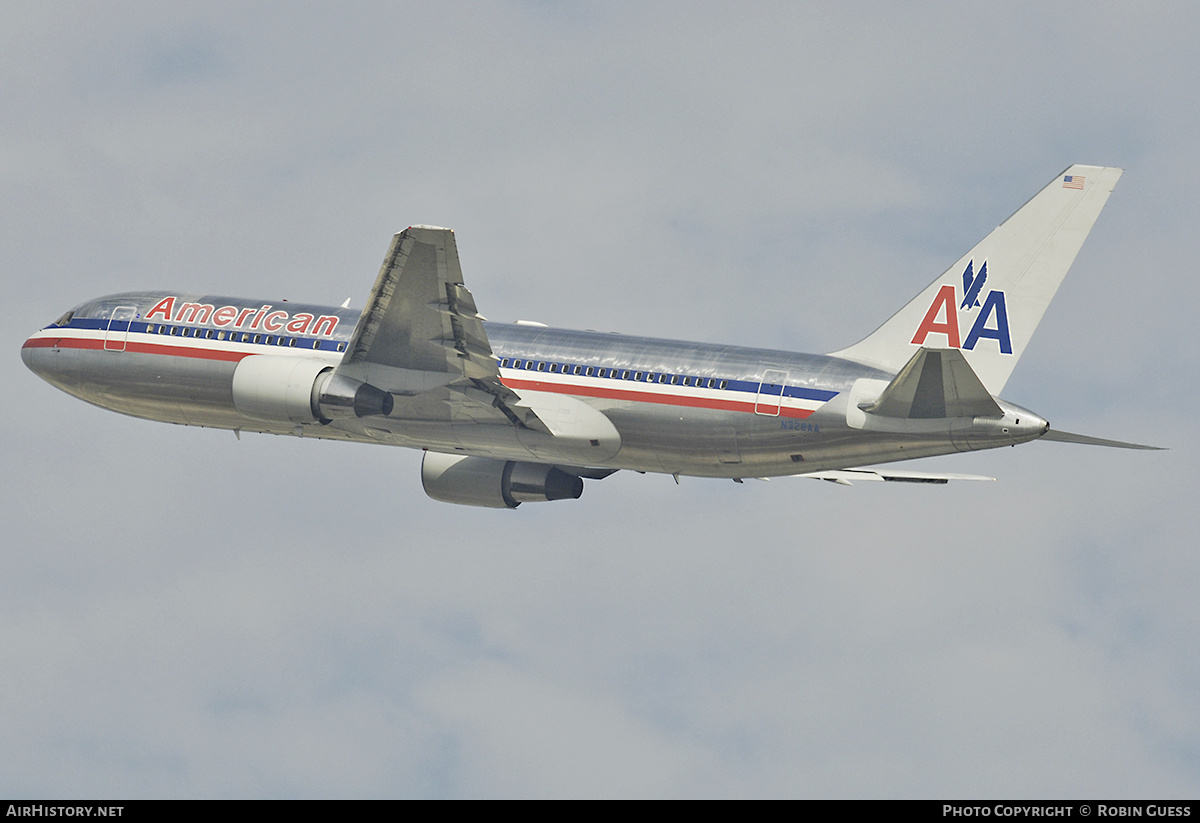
[993, 303]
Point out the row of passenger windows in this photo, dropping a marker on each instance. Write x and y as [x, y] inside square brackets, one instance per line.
[236, 337]
[615, 374]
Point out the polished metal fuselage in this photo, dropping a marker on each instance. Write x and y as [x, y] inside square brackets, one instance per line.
[681, 408]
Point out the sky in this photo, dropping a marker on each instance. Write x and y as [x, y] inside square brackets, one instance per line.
[183, 614]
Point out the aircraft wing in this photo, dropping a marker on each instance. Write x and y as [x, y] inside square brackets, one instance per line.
[420, 336]
[846, 477]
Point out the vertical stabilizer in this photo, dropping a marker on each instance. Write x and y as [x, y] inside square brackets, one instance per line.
[988, 303]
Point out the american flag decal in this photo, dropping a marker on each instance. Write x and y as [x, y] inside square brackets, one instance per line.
[1072, 181]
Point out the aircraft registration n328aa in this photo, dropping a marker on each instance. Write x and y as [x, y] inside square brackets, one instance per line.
[511, 413]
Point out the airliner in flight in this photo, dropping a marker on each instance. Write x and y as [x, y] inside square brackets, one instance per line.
[512, 413]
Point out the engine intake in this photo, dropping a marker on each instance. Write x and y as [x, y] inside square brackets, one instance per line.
[278, 389]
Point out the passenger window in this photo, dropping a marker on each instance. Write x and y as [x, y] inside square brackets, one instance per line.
[578, 369]
[724, 383]
[316, 344]
[590, 371]
[258, 338]
[503, 363]
[292, 342]
[541, 366]
[624, 375]
[341, 346]
[220, 335]
[149, 328]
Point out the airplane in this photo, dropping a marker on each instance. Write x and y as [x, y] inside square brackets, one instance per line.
[514, 413]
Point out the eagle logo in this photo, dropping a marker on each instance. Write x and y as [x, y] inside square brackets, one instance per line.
[972, 285]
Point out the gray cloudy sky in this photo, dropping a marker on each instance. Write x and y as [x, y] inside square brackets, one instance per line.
[183, 614]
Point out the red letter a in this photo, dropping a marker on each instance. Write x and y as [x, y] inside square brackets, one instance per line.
[163, 307]
[930, 325]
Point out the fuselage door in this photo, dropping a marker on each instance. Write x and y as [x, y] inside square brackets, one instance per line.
[770, 391]
[118, 328]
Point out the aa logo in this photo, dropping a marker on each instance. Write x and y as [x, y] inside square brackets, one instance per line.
[943, 315]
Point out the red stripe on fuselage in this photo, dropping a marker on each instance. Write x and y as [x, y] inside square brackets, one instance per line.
[648, 397]
[97, 344]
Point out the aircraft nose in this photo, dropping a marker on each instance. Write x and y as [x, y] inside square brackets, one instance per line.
[27, 355]
[38, 358]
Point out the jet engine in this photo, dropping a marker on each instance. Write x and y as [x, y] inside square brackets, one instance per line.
[301, 390]
[496, 484]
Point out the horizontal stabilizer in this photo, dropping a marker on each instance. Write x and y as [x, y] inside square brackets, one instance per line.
[845, 477]
[935, 383]
[1086, 440]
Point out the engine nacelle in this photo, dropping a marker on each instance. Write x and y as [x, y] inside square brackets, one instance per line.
[301, 390]
[496, 484]
[278, 389]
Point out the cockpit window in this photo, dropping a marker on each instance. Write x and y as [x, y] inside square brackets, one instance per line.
[65, 319]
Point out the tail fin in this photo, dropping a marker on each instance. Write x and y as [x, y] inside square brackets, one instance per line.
[988, 303]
